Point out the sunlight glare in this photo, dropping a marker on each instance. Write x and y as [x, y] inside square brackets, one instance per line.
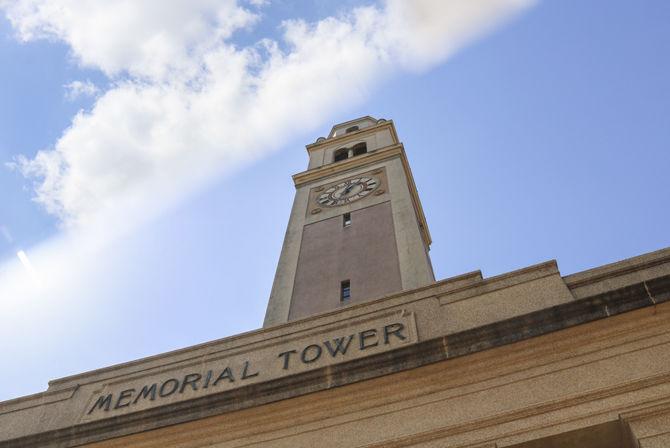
[26, 263]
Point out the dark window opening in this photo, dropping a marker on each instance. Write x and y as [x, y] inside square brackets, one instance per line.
[345, 291]
[341, 154]
[351, 129]
[360, 148]
[346, 220]
[345, 153]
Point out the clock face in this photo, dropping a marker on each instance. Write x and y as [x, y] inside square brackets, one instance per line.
[348, 191]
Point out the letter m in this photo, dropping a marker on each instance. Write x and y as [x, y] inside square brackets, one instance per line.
[145, 392]
[340, 345]
[103, 401]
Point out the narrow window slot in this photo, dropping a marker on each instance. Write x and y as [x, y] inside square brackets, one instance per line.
[346, 220]
[345, 291]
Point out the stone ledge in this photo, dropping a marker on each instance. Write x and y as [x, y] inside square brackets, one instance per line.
[478, 286]
[618, 274]
[39, 399]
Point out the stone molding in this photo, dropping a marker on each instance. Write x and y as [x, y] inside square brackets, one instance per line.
[613, 275]
[351, 136]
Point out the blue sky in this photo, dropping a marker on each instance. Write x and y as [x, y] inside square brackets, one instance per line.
[545, 138]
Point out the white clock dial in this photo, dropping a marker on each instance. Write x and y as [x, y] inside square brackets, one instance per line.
[348, 191]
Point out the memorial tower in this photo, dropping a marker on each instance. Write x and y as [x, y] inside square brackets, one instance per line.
[357, 230]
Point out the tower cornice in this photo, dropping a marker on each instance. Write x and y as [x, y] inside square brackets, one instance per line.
[355, 135]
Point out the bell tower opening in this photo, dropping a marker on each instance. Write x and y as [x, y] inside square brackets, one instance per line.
[341, 154]
[359, 149]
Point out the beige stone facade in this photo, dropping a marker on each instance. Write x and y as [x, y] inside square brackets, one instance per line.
[526, 359]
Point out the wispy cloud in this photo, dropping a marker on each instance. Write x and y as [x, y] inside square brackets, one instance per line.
[78, 89]
[186, 104]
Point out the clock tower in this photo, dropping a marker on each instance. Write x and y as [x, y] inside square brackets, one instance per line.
[356, 231]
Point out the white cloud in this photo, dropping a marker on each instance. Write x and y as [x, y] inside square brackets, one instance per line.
[146, 38]
[78, 89]
[186, 104]
[192, 105]
[422, 33]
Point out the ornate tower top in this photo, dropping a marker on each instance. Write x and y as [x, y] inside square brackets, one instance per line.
[353, 125]
[355, 137]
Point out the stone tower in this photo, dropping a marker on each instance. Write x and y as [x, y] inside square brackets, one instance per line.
[356, 231]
